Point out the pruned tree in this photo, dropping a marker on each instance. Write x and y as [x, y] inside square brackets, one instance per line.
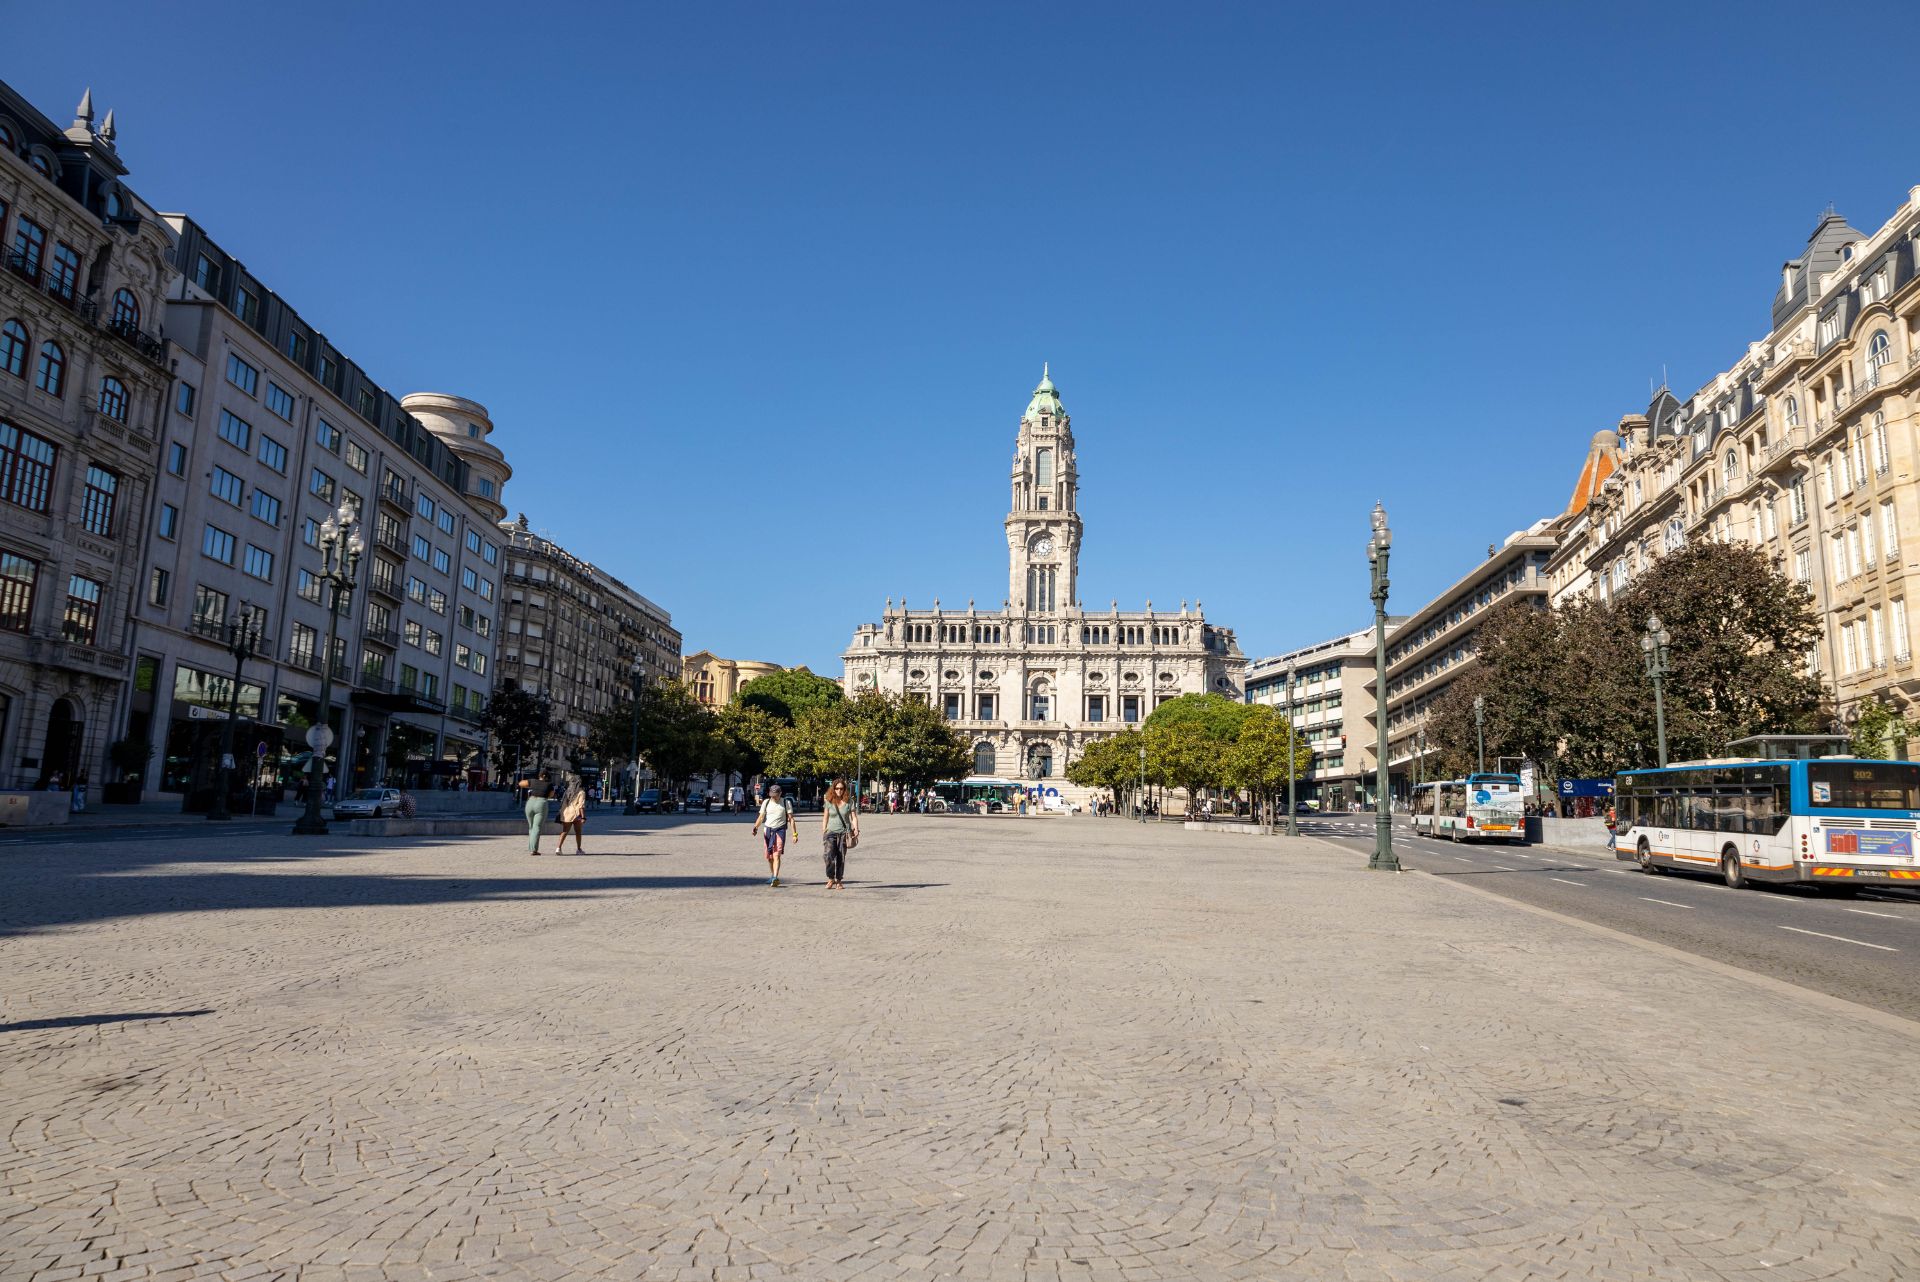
[785, 695]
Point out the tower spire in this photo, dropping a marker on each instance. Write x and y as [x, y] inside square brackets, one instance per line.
[83, 114]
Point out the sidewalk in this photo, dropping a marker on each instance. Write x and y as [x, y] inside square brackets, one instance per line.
[1077, 1051]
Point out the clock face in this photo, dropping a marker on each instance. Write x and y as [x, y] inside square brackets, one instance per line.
[1043, 546]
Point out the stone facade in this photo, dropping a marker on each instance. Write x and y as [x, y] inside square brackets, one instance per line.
[715, 681]
[83, 393]
[1032, 682]
[1808, 446]
[577, 634]
[269, 429]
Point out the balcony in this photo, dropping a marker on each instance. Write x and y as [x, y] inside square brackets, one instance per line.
[465, 712]
[308, 662]
[393, 541]
[398, 496]
[374, 683]
[211, 628]
[21, 267]
[381, 636]
[423, 701]
[387, 585]
[151, 349]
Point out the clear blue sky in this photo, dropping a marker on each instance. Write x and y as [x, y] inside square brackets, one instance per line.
[756, 293]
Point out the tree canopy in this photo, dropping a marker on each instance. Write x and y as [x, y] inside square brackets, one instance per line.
[785, 695]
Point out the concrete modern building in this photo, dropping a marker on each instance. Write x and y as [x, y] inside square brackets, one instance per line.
[1332, 710]
[83, 399]
[268, 430]
[1032, 681]
[1435, 644]
[1808, 446]
[715, 680]
[577, 634]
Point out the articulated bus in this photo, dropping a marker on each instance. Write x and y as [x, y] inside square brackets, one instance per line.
[1477, 808]
[973, 792]
[1832, 821]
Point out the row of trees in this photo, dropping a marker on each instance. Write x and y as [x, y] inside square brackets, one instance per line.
[1569, 691]
[1199, 742]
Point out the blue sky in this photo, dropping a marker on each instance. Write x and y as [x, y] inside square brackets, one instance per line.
[756, 293]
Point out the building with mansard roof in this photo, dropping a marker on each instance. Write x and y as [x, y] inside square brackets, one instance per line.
[1032, 681]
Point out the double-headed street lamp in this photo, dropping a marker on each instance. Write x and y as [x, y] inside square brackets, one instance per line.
[1141, 804]
[859, 768]
[633, 747]
[1293, 820]
[1378, 545]
[243, 642]
[1654, 643]
[1480, 727]
[340, 550]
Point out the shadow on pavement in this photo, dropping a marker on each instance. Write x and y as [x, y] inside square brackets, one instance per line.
[81, 1021]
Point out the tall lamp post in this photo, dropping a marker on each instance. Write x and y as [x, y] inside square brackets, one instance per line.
[1378, 545]
[1480, 727]
[340, 550]
[1293, 819]
[1654, 643]
[633, 748]
[1141, 804]
[859, 764]
[243, 642]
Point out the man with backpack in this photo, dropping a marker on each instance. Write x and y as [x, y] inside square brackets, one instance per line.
[776, 816]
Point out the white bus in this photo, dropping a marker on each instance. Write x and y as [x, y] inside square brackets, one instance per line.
[1478, 808]
[1834, 821]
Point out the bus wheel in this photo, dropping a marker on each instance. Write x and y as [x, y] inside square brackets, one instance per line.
[1736, 876]
[1645, 855]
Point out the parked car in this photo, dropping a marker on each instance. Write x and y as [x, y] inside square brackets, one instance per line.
[699, 801]
[648, 802]
[369, 803]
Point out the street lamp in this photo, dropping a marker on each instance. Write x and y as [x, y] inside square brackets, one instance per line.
[1480, 727]
[243, 642]
[633, 747]
[340, 549]
[859, 762]
[1141, 804]
[1293, 820]
[1378, 545]
[1654, 643]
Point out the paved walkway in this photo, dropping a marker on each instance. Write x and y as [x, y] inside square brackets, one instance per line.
[1006, 1052]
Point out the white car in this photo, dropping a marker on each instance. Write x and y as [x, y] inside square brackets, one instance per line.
[369, 803]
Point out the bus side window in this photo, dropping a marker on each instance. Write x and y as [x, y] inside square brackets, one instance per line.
[1732, 807]
[1663, 809]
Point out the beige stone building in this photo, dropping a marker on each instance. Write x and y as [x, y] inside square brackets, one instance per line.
[1332, 710]
[1806, 446]
[83, 403]
[715, 680]
[1030, 681]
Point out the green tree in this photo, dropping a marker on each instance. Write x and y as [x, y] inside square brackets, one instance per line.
[917, 747]
[1184, 755]
[1881, 731]
[1257, 760]
[1216, 714]
[679, 735]
[520, 722]
[747, 738]
[610, 734]
[785, 695]
[1112, 763]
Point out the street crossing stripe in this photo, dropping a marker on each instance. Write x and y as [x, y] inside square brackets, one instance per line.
[1842, 938]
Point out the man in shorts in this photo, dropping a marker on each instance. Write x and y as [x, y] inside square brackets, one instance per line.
[776, 816]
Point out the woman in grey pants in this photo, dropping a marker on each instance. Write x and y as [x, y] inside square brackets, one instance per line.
[538, 790]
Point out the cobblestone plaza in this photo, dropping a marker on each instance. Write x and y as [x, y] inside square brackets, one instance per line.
[1062, 1048]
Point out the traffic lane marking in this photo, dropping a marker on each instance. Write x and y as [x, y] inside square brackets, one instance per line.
[1885, 948]
[1865, 912]
[1564, 882]
[1669, 903]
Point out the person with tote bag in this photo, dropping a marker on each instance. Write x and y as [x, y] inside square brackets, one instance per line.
[839, 832]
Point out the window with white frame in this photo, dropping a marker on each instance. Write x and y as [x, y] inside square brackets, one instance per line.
[1854, 564]
[1797, 499]
[1880, 460]
[1791, 411]
[1847, 655]
[1898, 609]
[1879, 350]
[1802, 566]
[1878, 630]
[1889, 530]
[1838, 545]
[1866, 540]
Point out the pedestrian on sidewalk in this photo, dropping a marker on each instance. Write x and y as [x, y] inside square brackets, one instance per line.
[538, 789]
[776, 816]
[573, 816]
[839, 832]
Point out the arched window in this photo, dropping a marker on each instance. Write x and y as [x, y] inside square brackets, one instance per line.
[1793, 411]
[983, 758]
[126, 310]
[13, 348]
[1879, 349]
[51, 376]
[1729, 466]
[113, 399]
[7, 139]
[41, 165]
[1676, 536]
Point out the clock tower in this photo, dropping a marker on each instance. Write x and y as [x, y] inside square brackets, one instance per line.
[1043, 527]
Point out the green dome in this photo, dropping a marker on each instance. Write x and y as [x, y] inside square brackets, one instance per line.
[1046, 397]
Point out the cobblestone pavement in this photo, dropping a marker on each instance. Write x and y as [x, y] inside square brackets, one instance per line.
[1073, 1049]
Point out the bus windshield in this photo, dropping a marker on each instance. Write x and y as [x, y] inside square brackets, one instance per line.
[1864, 785]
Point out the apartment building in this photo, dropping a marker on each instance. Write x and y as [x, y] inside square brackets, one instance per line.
[1436, 644]
[1332, 710]
[269, 429]
[1806, 447]
[577, 634]
[83, 396]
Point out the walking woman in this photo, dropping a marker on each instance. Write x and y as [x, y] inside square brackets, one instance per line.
[776, 816]
[573, 816]
[839, 832]
[538, 789]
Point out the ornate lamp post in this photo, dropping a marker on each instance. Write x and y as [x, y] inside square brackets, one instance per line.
[1480, 727]
[340, 550]
[633, 747]
[1378, 545]
[859, 762]
[1654, 643]
[1293, 819]
[243, 642]
[1141, 804]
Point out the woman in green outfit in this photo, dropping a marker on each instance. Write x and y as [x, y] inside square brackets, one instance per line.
[839, 832]
[538, 790]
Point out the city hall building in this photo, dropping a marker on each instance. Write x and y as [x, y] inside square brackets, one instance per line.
[1032, 682]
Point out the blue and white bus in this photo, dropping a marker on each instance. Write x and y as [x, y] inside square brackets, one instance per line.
[1481, 807]
[1833, 821]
